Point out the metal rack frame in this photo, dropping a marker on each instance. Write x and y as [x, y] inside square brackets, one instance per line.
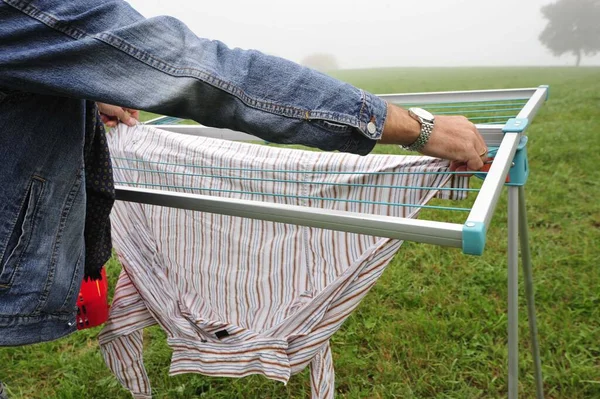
[510, 160]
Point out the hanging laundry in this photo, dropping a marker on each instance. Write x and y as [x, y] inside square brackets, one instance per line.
[239, 296]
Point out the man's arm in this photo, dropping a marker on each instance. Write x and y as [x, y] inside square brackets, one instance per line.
[107, 52]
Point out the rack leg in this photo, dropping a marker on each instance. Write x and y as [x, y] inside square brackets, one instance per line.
[513, 294]
[529, 294]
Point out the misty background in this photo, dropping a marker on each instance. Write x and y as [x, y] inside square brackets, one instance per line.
[376, 33]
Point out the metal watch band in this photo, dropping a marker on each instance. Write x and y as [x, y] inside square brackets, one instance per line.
[423, 138]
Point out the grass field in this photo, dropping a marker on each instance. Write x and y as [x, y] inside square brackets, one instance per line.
[435, 324]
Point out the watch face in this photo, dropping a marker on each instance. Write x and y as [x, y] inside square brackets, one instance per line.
[423, 114]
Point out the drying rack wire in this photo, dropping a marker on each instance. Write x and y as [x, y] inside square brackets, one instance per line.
[212, 190]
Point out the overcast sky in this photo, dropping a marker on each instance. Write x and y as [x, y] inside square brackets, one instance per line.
[375, 33]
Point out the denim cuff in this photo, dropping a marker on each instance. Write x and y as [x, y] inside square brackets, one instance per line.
[358, 144]
[371, 118]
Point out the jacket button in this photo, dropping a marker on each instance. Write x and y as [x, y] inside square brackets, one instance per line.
[371, 128]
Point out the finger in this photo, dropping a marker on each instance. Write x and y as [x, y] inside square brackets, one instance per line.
[475, 163]
[102, 108]
[483, 154]
[123, 116]
[105, 118]
[482, 143]
[134, 113]
[109, 121]
[455, 165]
[129, 121]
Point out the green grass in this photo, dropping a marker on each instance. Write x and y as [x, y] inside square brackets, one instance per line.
[434, 326]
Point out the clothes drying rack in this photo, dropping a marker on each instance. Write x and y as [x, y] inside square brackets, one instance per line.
[501, 116]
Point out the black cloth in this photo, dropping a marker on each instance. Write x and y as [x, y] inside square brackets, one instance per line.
[100, 193]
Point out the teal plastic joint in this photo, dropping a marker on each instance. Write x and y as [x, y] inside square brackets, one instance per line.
[519, 171]
[515, 125]
[473, 238]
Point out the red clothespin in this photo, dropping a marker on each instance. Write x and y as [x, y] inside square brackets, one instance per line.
[92, 303]
[486, 168]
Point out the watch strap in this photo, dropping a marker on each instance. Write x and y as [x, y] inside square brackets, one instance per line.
[419, 143]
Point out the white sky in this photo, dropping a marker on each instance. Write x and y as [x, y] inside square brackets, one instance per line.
[375, 33]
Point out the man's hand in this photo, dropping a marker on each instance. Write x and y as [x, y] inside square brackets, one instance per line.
[453, 138]
[111, 115]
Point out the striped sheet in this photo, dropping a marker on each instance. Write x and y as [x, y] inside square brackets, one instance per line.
[238, 296]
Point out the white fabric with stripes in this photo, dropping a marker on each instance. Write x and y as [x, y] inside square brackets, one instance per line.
[238, 296]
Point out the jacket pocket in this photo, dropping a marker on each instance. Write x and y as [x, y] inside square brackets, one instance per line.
[22, 231]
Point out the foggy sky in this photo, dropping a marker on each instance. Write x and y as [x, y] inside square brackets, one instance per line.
[375, 33]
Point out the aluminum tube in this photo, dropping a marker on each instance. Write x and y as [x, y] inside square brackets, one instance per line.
[492, 134]
[536, 101]
[159, 120]
[529, 294]
[459, 96]
[513, 292]
[438, 233]
[212, 132]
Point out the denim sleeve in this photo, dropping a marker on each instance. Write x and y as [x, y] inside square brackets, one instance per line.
[106, 51]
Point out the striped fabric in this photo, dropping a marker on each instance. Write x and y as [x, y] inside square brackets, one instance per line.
[238, 296]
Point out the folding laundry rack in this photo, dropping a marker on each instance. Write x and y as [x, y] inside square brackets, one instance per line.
[501, 116]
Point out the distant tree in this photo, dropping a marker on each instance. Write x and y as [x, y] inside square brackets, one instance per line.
[573, 27]
[320, 62]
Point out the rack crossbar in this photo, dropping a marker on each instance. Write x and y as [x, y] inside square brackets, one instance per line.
[460, 96]
[431, 232]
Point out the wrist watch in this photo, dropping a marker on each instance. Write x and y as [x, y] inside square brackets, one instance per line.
[425, 118]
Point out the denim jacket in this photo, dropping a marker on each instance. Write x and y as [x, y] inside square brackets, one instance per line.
[55, 54]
